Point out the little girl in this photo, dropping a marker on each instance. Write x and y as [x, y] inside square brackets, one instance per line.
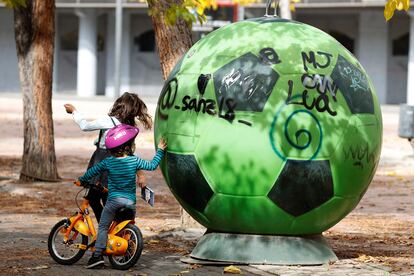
[121, 167]
[125, 109]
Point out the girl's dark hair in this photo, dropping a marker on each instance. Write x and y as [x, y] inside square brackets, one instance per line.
[126, 148]
[128, 107]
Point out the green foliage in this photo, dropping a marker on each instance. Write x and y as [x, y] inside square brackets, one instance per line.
[190, 11]
[177, 11]
[14, 3]
[393, 5]
[174, 12]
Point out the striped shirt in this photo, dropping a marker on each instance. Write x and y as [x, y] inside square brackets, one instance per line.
[122, 173]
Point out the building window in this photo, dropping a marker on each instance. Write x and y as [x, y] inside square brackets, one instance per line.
[400, 46]
[100, 43]
[225, 12]
[145, 42]
[345, 40]
[69, 42]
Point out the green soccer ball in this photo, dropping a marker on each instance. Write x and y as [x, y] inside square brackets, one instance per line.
[273, 127]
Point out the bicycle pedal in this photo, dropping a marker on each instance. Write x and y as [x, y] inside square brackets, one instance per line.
[81, 246]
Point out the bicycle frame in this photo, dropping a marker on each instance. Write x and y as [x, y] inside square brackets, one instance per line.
[78, 222]
[82, 222]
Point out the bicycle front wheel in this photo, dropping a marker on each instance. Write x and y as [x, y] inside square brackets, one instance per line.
[69, 252]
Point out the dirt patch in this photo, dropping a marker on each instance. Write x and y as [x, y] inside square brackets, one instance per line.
[170, 245]
[392, 250]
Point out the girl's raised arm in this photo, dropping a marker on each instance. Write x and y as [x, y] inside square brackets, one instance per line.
[102, 123]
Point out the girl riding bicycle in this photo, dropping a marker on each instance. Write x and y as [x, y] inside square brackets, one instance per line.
[121, 167]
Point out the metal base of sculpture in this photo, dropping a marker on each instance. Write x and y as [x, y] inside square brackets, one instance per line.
[223, 248]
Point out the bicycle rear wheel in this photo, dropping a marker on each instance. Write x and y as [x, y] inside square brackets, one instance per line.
[134, 250]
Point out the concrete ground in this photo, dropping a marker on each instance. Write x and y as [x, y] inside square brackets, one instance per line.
[375, 239]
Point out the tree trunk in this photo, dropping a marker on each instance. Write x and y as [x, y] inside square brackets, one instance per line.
[173, 41]
[34, 33]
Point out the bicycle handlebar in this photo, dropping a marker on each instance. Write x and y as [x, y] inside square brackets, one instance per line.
[88, 185]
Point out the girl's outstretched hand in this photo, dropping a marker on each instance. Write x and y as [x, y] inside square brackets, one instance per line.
[162, 144]
[69, 108]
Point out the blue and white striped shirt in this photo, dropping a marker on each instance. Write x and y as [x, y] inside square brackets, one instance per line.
[122, 173]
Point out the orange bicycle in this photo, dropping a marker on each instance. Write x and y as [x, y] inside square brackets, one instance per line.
[68, 239]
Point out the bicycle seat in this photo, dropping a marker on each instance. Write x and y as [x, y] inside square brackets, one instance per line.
[124, 214]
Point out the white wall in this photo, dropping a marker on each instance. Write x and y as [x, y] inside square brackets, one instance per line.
[145, 69]
[9, 72]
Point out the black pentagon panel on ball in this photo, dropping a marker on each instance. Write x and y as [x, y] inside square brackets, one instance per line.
[245, 83]
[353, 84]
[189, 183]
[302, 186]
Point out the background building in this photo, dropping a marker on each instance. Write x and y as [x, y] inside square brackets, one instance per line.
[85, 41]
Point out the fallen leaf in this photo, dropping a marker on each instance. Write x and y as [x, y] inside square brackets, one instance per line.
[232, 269]
[153, 241]
[195, 266]
[365, 259]
[402, 178]
[391, 173]
[38, 267]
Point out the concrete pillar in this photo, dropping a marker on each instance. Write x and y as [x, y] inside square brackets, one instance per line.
[240, 12]
[285, 12]
[87, 53]
[410, 76]
[125, 53]
[110, 55]
[373, 50]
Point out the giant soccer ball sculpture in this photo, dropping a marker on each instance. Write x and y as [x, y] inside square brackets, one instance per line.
[273, 128]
